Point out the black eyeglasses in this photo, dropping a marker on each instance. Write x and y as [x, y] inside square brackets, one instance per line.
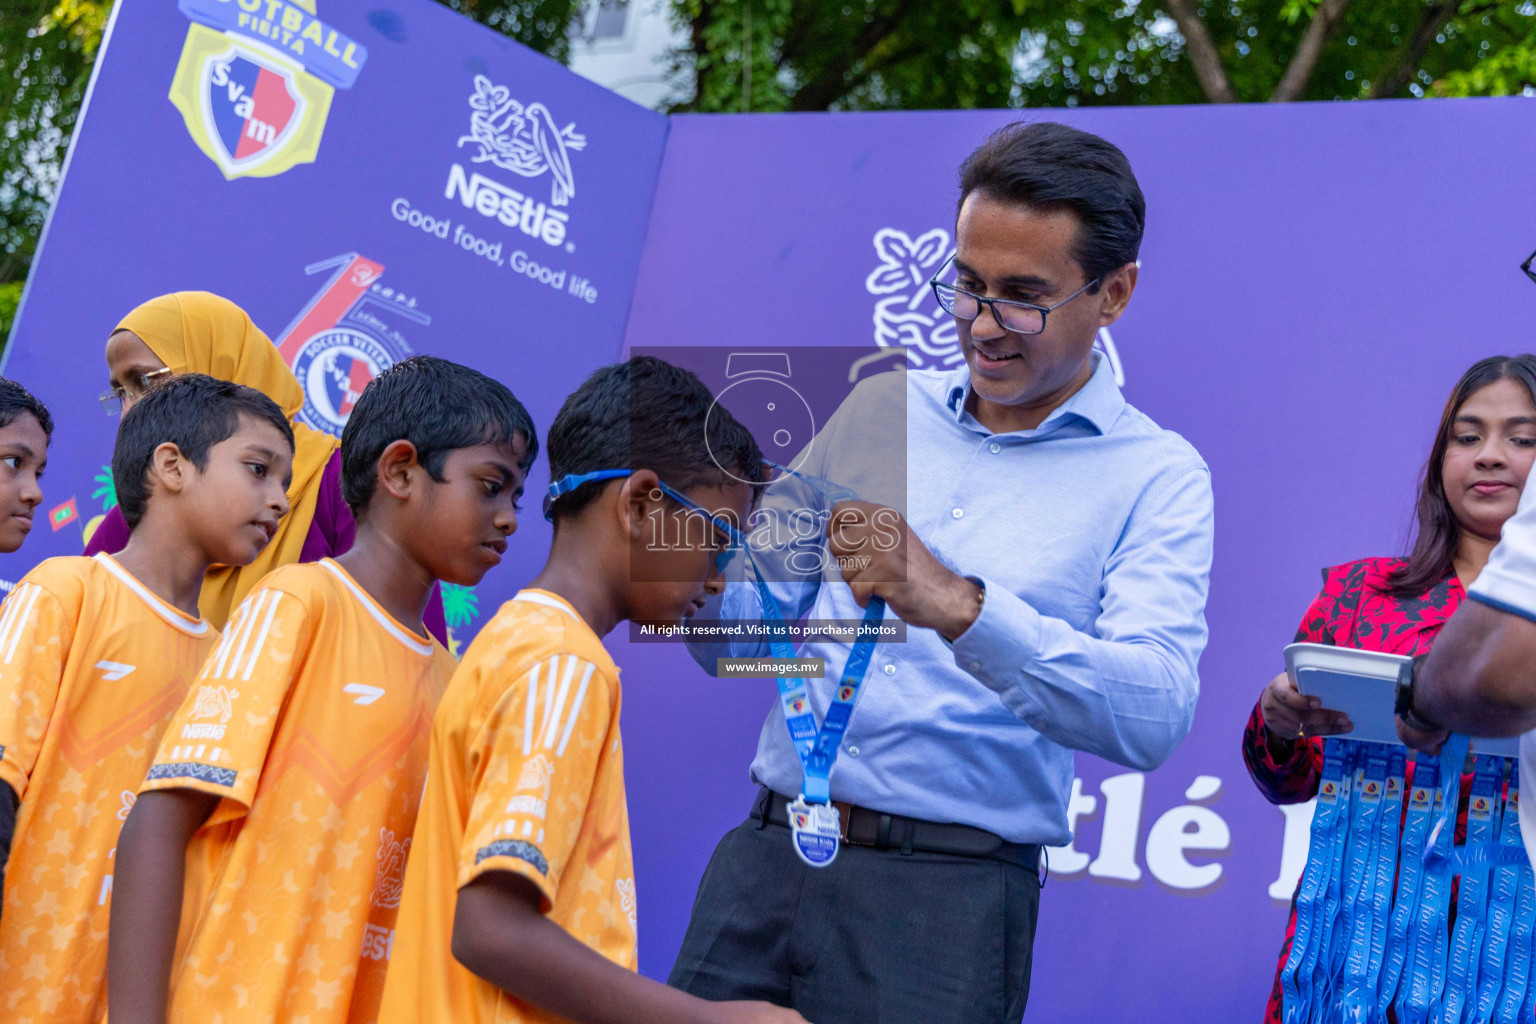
[1018, 317]
[1526, 266]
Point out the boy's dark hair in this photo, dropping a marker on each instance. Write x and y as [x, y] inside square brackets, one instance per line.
[16, 400]
[648, 414]
[436, 405]
[1051, 166]
[192, 411]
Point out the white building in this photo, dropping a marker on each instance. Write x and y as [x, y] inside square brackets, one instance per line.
[623, 45]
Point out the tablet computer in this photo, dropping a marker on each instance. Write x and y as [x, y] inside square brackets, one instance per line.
[1363, 685]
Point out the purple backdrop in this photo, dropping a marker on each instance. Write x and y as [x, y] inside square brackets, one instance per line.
[1314, 280]
[142, 211]
[1315, 277]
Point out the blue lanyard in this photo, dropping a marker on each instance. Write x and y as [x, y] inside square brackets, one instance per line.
[1514, 1003]
[1311, 922]
[817, 748]
[1439, 848]
[1410, 876]
[1522, 929]
[1425, 981]
[1472, 901]
[1502, 898]
[1424, 971]
[1388, 830]
[1359, 887]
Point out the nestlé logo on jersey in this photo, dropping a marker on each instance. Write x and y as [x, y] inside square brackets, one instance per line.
[505, 133]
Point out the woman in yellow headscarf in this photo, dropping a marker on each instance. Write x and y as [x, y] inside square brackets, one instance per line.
[198, 332]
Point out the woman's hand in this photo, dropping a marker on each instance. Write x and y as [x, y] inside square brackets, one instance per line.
[1290, 714]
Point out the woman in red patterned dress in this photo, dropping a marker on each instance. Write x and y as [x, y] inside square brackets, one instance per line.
[1482, 454]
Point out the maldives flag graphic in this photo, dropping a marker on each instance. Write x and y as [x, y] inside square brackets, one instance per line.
[63, 515]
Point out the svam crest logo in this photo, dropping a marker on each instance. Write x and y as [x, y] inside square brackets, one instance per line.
[255, 82]
[252, 106]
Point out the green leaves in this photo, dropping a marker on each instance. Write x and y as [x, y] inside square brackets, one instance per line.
[46, 52]
[891, 54]
[774, 55]
[542, 25]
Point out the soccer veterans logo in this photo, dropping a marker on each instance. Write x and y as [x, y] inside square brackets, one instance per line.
[255, 81]
[345, 337]
[335, 368]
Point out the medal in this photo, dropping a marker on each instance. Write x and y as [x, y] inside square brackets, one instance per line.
[815, 829]
[815, 826]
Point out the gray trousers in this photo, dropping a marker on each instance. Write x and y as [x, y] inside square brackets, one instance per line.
[877, 937]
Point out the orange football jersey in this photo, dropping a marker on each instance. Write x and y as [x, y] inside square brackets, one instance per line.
[527, 776]
[92, 666]
[311, 720]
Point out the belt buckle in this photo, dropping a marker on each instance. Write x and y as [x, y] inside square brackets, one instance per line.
[845, 817]
[844, 813]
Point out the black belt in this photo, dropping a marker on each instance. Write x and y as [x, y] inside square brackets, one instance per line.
[863, 827]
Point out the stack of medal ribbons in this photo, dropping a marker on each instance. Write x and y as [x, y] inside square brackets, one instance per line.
[1407, 925]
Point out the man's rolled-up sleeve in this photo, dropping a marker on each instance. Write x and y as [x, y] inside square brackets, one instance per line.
[1126, 693]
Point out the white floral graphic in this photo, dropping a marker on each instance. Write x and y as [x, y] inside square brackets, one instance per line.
[129, 799]
[215, 702]
[522, 139]
[909, 315]
[537, 774]
[626, 887]
[390, 880]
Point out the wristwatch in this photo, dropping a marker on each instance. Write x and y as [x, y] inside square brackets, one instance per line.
[1405, 710]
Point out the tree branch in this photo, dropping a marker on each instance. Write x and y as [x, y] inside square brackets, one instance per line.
[703, 69]
[1203, 55]
[1431, 21]
[1324, 20]
[832, 83]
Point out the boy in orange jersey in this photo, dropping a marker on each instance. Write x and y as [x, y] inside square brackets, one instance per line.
[282, 799]
[95, 656]
[25, 429]
[519, 902]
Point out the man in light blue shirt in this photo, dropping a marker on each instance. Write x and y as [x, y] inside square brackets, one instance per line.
[1052, 572]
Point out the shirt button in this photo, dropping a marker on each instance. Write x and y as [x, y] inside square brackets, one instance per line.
[994, 447]
[957, 513]
[973, 665]
[890, 669]
[853, 751]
